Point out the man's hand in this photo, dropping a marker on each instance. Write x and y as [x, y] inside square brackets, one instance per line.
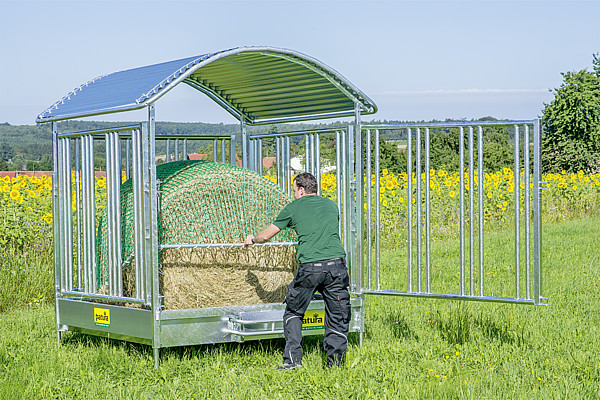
[249, 240]
[263, 236]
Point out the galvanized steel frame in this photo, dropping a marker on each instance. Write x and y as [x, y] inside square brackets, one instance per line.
[356, 225]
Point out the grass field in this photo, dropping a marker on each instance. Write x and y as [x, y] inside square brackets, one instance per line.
[412, 348]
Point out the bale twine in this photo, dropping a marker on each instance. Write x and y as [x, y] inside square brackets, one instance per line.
[208, 202]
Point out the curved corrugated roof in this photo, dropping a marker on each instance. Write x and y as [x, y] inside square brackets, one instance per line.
[258, 84]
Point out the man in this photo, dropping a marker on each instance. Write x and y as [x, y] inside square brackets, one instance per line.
[322, 267]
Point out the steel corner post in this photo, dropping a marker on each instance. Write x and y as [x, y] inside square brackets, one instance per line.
[55, 221]
[152, 236]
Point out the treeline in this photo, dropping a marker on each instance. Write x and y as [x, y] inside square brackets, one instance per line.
[29, 147]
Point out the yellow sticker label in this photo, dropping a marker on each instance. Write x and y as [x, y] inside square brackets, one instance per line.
[313, 320]
[102, 317]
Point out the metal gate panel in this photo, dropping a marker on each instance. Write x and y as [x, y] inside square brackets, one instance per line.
[418, 265]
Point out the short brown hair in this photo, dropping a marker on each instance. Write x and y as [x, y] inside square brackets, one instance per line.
[307, 181]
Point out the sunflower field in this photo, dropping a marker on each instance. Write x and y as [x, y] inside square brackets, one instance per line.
[26, 202]
[26, 209]
[26, 254]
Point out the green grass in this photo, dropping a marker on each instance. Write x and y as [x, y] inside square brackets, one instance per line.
[26, 275]
[412, 348]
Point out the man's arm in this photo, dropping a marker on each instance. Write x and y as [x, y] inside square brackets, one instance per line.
[263, 236]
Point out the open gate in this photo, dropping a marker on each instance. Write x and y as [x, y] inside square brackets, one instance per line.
[470, 267]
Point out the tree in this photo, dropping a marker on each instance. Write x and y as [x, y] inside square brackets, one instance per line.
[6, 151]
[571, 121]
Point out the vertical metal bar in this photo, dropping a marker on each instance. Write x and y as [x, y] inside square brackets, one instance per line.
[146, 261]
[369, 223]
[461, 168]
[69, 213]
[128, 158]
[346, 188]
[66, 211]
[89, 220]
[223, 152]
[109, 212]
[78, 208]
[257, 155]
[92, 216]
[480, 213]
[517, 215]
[358, 259]
[260, 157]
[377, 214]
[313, 153]
[419, 233]
[118, 180]
[138, 220]
[527, 212]
[318, 162]
[55, 229]
[156, 299]
[537, 212]
[232, 150]
[168, 155]
[251, 158]
[471, 216]
[338, 189]
[215, 150]
[278, 161]
[185, 150]
[60, 218]
[427, 215]
[409, 199]
[176, 155]
[351, 190]
[244, 137]
[288, 168]
[84, 217]
[307, 153]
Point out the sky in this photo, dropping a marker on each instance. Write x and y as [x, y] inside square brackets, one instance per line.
[417, 60]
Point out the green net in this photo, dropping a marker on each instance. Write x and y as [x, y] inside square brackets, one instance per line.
[209, 202]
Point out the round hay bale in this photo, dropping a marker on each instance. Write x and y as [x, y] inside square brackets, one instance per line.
[208, 202]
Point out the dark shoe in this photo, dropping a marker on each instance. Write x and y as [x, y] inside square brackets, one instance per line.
[288, 366]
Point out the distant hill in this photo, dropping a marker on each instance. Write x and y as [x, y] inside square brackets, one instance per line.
[30, 146]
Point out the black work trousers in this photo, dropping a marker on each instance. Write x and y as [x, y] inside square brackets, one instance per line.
[330, 278]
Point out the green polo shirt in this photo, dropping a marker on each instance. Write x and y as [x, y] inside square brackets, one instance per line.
[316, 221]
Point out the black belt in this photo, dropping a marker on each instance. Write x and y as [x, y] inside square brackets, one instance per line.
[321, 263]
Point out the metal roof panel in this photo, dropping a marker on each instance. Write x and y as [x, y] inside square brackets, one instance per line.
[242, 80]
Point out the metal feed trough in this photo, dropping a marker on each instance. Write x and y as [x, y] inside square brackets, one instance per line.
[257, 85]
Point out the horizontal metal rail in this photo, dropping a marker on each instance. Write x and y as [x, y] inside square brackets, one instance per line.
[98, 131]
[96, 296]
[194, 137]
[451, 296]
[222, 245]
[253, 322]
[447, 124]
[335, 114]
[295, 133]
[260, 333]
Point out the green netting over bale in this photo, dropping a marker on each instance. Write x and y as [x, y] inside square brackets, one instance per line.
[208, 202]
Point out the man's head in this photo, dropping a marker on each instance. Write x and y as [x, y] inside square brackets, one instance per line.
[304, 184]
